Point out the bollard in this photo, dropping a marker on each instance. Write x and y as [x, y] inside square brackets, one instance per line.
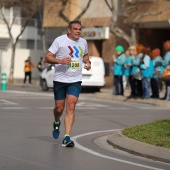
[3, 82]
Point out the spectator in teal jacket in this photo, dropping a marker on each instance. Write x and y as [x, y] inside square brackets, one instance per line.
[118, 69]
[145, 67]
[136, 63]
[136, 78]
[166, 65]
[131, 52]
[157, 62]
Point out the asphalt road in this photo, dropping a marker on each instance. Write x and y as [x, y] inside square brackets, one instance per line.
[26, 141]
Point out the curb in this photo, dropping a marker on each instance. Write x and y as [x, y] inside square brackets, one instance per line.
[155, 102]
[124, 143]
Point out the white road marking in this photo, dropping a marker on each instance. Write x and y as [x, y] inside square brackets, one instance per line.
[46, 108]
[87, 104]
[80, 105]
[28, 93]
[7, 102]
[13, 108]
[119, 108]
[86, 108]
[77, 145]
[83, 107]
[153, 108]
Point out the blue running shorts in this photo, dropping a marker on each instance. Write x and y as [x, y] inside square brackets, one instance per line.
[62, 89]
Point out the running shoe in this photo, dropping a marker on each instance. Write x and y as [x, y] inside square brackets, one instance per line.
[67, 142]
[56, 130]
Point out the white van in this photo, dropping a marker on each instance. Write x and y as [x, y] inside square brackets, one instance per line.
[94, 78]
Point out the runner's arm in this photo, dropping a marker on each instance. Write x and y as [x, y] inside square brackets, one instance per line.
[87, 62]
[50, 58]
[86, 59]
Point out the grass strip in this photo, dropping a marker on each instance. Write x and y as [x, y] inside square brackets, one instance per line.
[155, 133]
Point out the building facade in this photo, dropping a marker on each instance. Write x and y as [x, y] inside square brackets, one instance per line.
[153, 19]
[152, 29]
[29, 44]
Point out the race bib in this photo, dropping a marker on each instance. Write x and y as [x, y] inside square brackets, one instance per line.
[73, 66]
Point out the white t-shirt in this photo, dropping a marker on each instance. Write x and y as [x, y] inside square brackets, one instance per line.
[64, 47]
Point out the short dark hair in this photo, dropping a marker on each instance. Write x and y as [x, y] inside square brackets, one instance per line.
[74, 22]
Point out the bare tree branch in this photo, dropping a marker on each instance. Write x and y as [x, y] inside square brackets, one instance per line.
[61, 12]
[151, 13]
[22, 30]
[131, 39]
[120, 33]
[7, 24]
[85, 9]
[110, 7]
[13, 20]
[62, 15]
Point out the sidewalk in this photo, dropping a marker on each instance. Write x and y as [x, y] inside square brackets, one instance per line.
[119, 141]
[18, 85]
[106, 93]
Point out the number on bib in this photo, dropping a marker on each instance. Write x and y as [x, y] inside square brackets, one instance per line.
[73, 66]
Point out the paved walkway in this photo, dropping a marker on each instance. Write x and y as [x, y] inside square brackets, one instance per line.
[107, 94]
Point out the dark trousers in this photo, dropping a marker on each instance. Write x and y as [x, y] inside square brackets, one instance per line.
[27, 74]
[118, 85]
[131, 83]
[136, 87]
[167, 84]
[167, 90]
[146, 87]
[155, 87]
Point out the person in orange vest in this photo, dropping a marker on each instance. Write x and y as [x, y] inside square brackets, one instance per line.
[27, 69]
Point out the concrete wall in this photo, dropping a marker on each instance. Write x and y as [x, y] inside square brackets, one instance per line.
[20, 57]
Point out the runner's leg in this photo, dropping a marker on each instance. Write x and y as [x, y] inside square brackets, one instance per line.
[58, 110]
[70, 113]
[59, 97]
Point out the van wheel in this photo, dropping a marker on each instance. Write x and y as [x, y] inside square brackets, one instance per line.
[44, 85]
[98, 89]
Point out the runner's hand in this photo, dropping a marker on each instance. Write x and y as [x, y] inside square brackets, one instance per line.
[87, 66]
[66, 60]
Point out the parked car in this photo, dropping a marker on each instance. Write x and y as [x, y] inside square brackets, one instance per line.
[94, 78]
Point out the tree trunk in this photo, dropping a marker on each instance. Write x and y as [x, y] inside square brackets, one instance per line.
[11, 74]
[133, 38]
[130, 39]
[44, 40]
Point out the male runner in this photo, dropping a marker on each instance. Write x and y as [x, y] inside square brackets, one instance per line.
[67, 52]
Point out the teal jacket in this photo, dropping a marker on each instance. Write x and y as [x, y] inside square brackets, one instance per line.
[166, 59]
[118, 67]
[127, 69]
[157, 63]
[165, 62]
[147, 67]
[136, 63]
